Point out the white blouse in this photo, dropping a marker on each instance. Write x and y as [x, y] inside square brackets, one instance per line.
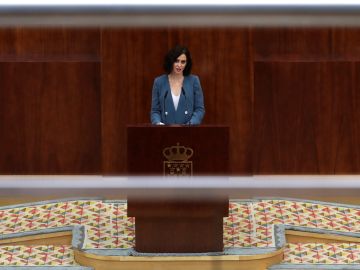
[175, 100]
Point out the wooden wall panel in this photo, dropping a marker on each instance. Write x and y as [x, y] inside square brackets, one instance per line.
[49, 118]
[50, 101]
[306, 44]
[132, 58]
[306, 118]
[306, 85]
[291, 44]
[46, 44]
[301, 85]
[346, 44]
[130, 62]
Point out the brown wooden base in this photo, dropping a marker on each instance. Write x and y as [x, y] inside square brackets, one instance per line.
[179, 235]
[178, 226]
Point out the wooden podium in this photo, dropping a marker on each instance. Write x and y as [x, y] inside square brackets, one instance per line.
[174, 225]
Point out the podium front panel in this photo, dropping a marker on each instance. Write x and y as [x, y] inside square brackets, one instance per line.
[209, 145]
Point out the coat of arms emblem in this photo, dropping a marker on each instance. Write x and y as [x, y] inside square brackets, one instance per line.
[178, 163]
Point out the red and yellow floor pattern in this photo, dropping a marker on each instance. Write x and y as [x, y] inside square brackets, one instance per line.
[315, 253]
[37, 256]
[250, 224]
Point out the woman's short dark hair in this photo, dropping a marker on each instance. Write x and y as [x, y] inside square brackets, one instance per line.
[173, 54]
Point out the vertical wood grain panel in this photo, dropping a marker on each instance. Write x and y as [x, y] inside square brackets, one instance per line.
[50, 101]
[50, 118]
[306, 44]
[306, 97]
[131, 60]
[48, 43]
[306, 118]
[290, 44]
[346, 43]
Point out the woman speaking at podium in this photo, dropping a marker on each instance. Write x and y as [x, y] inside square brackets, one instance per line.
[177, 97]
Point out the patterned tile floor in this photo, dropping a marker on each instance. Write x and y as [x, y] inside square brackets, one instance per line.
[250, 224]
[312, 253]
[107, 224]
[36, 256]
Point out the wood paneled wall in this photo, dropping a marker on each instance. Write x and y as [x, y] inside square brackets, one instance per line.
[290, 96]
[306, 105]
[50, 101]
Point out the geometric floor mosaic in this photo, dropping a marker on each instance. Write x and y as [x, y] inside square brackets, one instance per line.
[312, 253]
[36, 256]
[249, 224]
[107, 224]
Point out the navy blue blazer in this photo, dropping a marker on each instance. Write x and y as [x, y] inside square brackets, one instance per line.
[190, 110]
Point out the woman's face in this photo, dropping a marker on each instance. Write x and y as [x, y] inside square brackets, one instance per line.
[179, 64]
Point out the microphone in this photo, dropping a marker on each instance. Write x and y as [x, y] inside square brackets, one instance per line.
[164, 107]
[186, 107]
